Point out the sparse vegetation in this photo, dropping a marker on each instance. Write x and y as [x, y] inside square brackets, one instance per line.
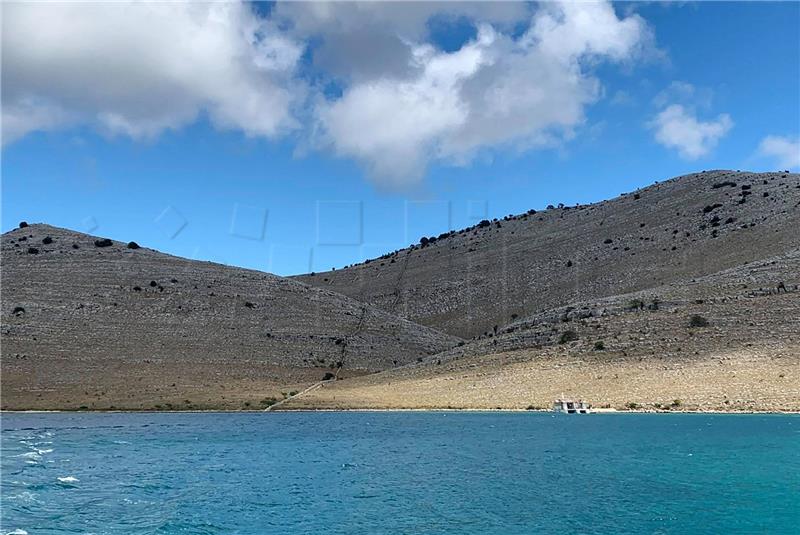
[133, 245]
[33, 250]
[568, 336]
[47, 240]
[268, 402]
[18, 311]
[632, 405]
[636, 304]
[104, 242]
[23, 224]
[599, 345]
[697, 321]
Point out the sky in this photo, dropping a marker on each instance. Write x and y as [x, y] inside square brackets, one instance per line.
[297, 137]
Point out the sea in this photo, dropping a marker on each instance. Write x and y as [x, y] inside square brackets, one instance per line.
[444, 472]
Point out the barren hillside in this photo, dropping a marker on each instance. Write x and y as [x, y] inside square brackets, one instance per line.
[472, 280]
[727, 341]
[78, 310]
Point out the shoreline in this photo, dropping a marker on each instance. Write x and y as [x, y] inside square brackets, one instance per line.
[538, 411]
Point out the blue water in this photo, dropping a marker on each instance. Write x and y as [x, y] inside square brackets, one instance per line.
[398, 473]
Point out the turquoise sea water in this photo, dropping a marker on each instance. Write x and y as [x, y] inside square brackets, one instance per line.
[395, 473]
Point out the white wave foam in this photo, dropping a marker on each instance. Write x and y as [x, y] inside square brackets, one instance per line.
[17, 532]
[68, 479]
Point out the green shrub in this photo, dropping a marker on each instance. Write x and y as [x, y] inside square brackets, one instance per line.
[698, 321]
[599, 345]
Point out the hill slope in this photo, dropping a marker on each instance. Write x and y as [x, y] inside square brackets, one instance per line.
[486, 276]
[78, 316]
[741, 352]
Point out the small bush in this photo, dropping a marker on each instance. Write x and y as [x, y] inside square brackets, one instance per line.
[485, 223]
[133, 245]
[677, 403]
[33, 250]
[698, 321]
[328, 376]
[47, 240]
[18, 311]
[23, 224]
[607, 241]
[105, 242]
[599, 345]
[636, 304]
[568, 336]
[248, 304]
[75, 246]
[632, 405]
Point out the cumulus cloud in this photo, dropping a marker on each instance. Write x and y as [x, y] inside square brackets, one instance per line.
[140, 68]
[494, 91]
[784, 151]
[364, 80]
[677, 127]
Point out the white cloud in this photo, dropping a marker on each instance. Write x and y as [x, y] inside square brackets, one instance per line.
[784, 151]
[495, 91]
[140, 68]
[137, 69]
[677, 127]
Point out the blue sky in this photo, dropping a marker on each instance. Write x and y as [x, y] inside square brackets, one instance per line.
[349, 131]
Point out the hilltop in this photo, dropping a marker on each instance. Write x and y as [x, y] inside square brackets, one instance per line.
[94, 322]
[469, 282]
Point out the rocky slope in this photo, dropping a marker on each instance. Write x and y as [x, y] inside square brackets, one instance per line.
[82, 305]
[470, 281]
[726, 341]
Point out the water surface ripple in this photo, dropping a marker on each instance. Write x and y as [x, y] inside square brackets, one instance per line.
[399, 473]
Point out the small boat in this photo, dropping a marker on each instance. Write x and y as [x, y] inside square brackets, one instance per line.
[569, 406]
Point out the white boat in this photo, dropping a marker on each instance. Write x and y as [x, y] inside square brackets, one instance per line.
[569, 406]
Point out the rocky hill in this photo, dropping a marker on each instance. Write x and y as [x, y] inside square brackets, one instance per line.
[726, 341]
[469, 282]
[78, 310]
[681, 294]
